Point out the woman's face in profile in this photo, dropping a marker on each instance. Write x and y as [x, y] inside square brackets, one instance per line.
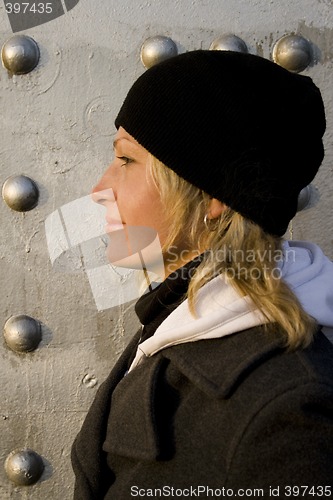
[132, 202]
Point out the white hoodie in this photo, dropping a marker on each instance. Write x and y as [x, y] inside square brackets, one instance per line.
[222, 311]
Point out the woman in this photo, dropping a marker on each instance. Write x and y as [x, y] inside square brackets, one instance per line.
[228, 386]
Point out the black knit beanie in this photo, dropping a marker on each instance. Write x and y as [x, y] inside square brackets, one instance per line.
[238, 126]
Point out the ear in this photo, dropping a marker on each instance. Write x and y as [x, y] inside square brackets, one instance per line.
[215, 208]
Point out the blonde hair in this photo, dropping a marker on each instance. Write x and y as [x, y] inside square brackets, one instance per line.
[249, 260]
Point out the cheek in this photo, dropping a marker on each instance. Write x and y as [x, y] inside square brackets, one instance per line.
[137, 197]
[156, 215]
[144, 208]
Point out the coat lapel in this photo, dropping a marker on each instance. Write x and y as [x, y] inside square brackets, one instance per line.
[132, 425]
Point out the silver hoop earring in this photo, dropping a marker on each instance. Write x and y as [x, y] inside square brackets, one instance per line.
[207, 225]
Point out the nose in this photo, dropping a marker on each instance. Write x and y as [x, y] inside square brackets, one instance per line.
[103, 192]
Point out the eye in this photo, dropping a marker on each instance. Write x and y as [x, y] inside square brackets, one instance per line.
[125, 160]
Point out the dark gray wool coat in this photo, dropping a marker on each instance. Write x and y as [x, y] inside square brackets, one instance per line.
[210, 418]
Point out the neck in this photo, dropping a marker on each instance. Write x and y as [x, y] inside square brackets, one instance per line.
[174, 261]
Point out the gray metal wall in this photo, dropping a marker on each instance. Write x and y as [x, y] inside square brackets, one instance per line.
[57, 128]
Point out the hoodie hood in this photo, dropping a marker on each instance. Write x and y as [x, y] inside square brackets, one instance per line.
[309, 273]
[222, 311]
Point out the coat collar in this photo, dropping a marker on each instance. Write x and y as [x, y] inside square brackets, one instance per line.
[217, 366]
[220, 311]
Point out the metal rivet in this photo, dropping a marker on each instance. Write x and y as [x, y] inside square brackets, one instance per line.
[24, 467]
[20, 54]
[20, 193]
[293, 52]
[22, 333]
[157, 49]
[304, 198]
[229, 42]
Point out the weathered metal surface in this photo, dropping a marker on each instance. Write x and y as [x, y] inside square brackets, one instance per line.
[57, 127]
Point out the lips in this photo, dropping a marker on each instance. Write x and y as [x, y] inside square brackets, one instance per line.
[113, 225]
